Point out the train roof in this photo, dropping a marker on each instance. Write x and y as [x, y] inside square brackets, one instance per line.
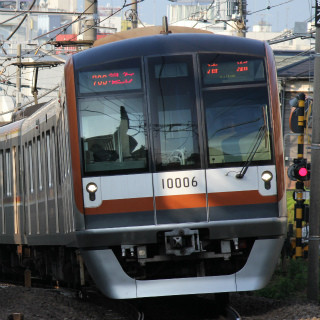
[11, 129]
[153, 44]
[144, 32]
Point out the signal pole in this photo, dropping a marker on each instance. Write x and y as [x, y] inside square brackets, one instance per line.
[299, 207]
[314, 232]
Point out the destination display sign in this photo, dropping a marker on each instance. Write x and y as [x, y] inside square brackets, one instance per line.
[109, 80]
[219, 72]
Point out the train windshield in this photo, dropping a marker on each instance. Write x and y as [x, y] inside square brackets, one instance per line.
[223, 110]
[112, 118]
[235, 99]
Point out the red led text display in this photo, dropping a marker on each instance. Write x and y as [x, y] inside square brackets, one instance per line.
[242, 66]
[229, 70]
[242, 70]
[110, 80]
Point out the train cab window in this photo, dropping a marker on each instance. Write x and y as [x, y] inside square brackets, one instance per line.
[173, 110]
[237, 117]
[112, 119]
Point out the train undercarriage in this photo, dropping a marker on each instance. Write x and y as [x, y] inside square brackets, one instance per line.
[184, 253]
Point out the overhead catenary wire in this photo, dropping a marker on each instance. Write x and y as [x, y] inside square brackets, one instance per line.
[21, 22]
[64, 27]
[269, 7]
[28, 52]
[47, 53]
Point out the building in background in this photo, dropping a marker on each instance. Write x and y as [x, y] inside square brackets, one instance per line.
[219, 16]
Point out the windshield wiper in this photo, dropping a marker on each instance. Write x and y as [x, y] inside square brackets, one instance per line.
[260, 135]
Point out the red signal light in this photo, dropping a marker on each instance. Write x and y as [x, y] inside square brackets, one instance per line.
[303, 172]
[299, 170]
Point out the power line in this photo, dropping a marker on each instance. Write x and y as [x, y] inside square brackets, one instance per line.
[269, 7]
[21, 22]
[49, 52]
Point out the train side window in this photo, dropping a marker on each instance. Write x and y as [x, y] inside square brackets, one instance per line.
[26, 166]
[58, 152]
[53, 155]
[30, 167]
[63, 146]
[39, 163]
[48, 153]
[8, 173]
[19, 171]
[66, 137]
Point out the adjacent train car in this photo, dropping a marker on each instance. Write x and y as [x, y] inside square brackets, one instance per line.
[161, 161]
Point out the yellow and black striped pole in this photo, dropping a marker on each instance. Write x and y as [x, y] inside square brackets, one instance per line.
[299, 206]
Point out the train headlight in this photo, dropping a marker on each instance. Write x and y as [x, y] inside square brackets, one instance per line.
[267, 177]
[92, 189]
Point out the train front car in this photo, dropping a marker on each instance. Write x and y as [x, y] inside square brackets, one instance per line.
[179, 188]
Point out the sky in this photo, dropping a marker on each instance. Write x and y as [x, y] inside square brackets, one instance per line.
[281, 15]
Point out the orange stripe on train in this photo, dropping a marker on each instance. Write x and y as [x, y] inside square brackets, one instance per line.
[238, 198]
[122, 206]
[181, 202]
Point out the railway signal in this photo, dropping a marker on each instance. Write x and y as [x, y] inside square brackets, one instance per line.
[299, 170]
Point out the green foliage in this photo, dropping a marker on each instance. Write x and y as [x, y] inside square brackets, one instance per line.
[289, 283]
[290, 207]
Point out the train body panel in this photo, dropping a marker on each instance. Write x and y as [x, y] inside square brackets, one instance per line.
[179, 197]
[35, 212]
[161, 161]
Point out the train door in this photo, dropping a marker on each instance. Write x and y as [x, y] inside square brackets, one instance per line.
[179, 181]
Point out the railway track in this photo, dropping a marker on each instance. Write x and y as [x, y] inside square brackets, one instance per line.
[173, 308]
[232, 314]
[186, 308]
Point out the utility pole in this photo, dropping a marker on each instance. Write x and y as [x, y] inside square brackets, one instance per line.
[314, 232]
[18, 81]
[241, 22]
[90, 7]
[134, 14]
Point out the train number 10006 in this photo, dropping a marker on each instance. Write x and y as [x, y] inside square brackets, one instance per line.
[185, 182]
